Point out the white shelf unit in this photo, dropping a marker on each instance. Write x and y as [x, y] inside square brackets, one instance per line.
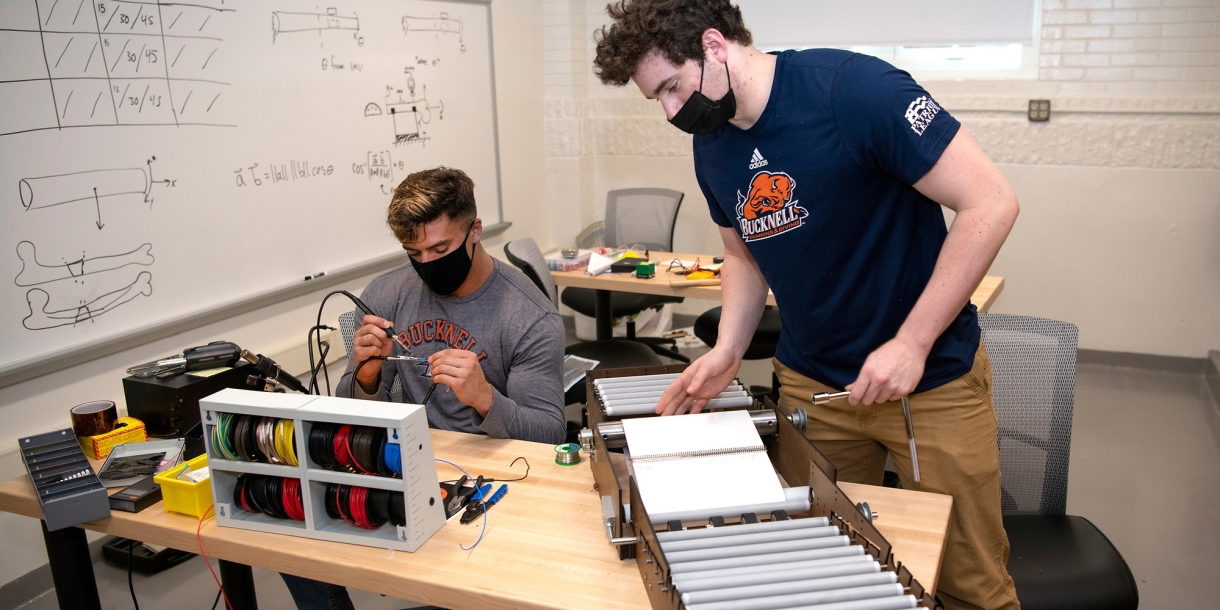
[406, 425]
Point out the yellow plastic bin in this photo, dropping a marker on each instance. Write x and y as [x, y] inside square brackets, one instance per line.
[186, 497]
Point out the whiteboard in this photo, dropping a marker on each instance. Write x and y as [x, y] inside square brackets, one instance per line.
[165, 158]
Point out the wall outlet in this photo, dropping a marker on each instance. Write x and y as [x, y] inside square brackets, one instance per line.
[1039, 111]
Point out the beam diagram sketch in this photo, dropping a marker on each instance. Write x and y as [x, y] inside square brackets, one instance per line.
[91, 187]
[115, 63]
[291, 22]
[444, 24]
[34, 272]
[42, 316]
[409, 115]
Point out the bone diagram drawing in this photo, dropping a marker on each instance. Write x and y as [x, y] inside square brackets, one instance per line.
[42, 317]
[35, 272]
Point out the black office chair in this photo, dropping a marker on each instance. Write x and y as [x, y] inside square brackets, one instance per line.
[762, 344]
[612, 353]
[1057, 561]
[643, 217]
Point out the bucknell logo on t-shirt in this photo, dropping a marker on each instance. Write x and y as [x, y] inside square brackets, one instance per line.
[769, 209]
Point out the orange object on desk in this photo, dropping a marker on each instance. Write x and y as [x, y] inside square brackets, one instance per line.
[126, 430]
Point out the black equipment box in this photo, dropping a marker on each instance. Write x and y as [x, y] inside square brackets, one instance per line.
[137, 497]
[119, 551]
[170, 407]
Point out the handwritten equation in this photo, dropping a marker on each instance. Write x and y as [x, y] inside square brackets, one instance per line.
[275, 173]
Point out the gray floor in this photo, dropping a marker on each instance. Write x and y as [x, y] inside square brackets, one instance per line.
[1145, 469]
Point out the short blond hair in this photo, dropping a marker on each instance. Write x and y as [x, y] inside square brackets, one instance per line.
[427, 195]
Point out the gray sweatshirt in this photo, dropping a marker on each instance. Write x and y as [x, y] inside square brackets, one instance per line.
[508, 322]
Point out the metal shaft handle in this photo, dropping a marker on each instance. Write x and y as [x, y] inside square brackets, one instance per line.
[906, 413]
[821, 398]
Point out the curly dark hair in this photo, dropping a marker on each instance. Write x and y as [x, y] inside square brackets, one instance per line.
[673, 27]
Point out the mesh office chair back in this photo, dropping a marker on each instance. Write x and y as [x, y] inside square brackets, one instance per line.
[524, 254]
[642, 216]
[347, 327]
[1033, 363]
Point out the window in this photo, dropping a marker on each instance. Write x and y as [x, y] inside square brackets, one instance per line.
[932, 39]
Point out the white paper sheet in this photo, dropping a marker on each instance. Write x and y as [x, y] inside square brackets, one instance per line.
[736, 471]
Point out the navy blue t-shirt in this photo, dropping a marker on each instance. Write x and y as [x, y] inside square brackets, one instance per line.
[819, 189]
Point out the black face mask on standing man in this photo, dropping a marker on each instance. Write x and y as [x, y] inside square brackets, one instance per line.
[700, 115]
[445, 275]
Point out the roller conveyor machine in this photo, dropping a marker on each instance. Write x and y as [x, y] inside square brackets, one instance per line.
[815, 549]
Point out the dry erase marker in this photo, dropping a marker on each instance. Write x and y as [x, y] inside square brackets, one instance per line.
[315, 276]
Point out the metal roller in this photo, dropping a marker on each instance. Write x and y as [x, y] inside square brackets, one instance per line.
[757, 549]
[616, 381]
[767, 568]
[613, 436]
[646, 391]
[651, 407]
[765, 560]
[754, 538]
[879, 584]
[847, 566]
[822, 600]
[796, 500]
[615, 400]
[742, 528]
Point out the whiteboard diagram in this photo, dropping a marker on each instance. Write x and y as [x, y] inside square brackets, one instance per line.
[442, 26]
[35, 272]
[89, 187]
[42, 316]
[291, 22]
[408, 116]
[116, 63]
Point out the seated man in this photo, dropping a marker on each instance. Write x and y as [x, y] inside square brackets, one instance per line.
[493, 341]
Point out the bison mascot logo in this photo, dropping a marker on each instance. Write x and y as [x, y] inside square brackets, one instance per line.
[769, 209]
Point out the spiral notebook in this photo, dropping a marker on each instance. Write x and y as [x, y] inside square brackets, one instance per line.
[702, 461]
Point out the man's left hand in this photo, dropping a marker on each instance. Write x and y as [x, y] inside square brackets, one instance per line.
[890, 372]
[459, 369]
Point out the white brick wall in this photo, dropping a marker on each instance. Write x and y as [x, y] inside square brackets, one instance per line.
[1143, 47]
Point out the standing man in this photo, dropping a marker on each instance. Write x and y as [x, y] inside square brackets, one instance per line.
[826, 171]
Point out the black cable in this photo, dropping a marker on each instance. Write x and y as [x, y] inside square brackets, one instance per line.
[131, 547]
[356, 371]
[324, 350]
[218, 592]
[510, 465]
[313, 375]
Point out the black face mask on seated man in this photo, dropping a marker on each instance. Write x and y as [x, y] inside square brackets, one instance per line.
[445, 275]
[700, 115]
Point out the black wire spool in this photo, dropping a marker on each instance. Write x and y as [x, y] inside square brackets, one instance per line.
[398, 510]
[256, 492]
[362, 443]
[332, 501]
[379, 455]
[321, 445]
[377, 506]
[275, 498]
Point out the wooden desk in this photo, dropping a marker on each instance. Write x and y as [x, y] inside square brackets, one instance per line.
[983, 298]
[545, 546]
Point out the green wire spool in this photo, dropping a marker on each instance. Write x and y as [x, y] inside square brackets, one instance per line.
[567, 454]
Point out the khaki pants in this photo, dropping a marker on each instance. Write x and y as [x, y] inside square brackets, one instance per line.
[955, 433]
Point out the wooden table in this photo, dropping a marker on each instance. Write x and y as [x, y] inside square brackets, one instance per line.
[545, 546]
[983, 298]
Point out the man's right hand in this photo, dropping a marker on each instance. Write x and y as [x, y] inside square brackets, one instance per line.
[701, 381]
[371, 340]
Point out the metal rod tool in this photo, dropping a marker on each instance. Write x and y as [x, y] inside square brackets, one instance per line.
[822, 398]
[906, 413]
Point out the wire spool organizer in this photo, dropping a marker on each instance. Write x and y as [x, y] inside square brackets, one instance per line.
[321, 467]
[817, 549]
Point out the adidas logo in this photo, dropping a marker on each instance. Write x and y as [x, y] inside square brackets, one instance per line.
[757, 160]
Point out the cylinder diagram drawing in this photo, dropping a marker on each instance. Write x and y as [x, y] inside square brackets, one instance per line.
[290, 22]
[408, 113]
[90, 188]
[442, 25]
[49, 191]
